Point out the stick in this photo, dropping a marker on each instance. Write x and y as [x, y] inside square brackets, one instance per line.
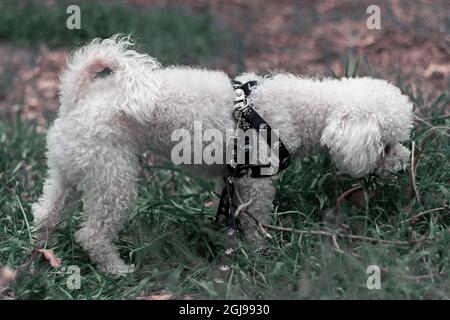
[433, 127]
[445, 207]
[241, 207]
[414, 161]
[348, 236]
[330, 234]
[346, 194]
[445, 116]
[335, 244]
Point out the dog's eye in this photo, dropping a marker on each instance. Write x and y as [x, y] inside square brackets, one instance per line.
[387, 149]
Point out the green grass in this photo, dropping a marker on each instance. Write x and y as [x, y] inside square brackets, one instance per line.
[172, 34]
[172, 240]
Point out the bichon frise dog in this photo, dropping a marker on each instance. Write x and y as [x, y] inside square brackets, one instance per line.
[117, 103]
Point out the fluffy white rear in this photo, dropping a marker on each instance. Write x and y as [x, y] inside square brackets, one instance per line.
[131, 72]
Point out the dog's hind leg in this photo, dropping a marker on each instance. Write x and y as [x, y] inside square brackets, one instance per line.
[59, 198]
[109, 191]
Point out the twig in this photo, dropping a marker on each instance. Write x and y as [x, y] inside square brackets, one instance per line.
[264, 232]
[428, 134]
[330, 234]
[348, 236]
[433, 127]
[445, 207]
[241, 207]
[335, 244]
[346, 194]
[259, 224]
[445, 116]
[424, 276]
[414, 160]
[417, 278]
[287, 212]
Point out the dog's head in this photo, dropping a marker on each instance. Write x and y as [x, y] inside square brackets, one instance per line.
[368, 139]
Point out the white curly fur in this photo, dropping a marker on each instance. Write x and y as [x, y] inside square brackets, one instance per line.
[105, 122]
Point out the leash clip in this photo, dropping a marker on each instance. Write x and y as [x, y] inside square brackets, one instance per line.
[242, 104]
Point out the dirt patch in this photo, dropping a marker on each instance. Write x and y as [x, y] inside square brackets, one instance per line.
[29, 78]
[304, 37]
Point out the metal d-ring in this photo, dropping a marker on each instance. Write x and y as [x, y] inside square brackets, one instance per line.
[242, 104]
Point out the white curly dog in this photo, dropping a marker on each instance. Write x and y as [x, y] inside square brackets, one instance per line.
[117, 103]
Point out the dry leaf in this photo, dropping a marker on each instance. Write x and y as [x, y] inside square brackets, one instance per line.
[209, 203]
[7, 276]
[50, 256]
[160, 297]
[357, 198]
[163, 295]
[443, 69]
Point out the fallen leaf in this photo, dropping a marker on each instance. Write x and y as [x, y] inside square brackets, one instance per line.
[50, 256]
[7, 275]
[357, 198]
[443, 69]
[160, 297]
[163, 295]
[209, 203]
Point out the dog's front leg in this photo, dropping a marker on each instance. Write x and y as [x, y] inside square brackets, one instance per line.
[259, 195]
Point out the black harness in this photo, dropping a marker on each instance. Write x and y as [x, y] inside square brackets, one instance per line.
[247, 118]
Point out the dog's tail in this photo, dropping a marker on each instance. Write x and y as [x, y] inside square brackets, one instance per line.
[110, 58]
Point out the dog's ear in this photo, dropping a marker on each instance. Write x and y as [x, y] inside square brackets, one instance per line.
[355, 144]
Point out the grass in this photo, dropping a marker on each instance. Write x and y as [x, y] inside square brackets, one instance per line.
[173, 34]
[170, 235]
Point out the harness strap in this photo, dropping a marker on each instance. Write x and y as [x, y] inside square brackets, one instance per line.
[247, 119]
[246, 87]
